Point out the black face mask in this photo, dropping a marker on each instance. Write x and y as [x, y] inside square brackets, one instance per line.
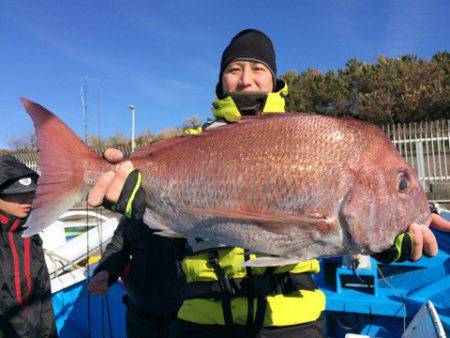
[250, 103]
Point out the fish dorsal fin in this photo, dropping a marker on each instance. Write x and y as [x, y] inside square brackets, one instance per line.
[270, 221]
[167, 143]
[158, 146]
[268, 116]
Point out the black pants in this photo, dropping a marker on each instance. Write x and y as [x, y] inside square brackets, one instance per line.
[183, 329]
[140, 324]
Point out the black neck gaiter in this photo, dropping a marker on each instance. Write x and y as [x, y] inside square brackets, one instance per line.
[249, 103]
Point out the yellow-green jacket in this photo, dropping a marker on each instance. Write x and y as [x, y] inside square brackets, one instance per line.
[299, 302]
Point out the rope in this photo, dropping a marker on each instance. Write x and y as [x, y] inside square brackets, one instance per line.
[398, 294]
[88, 277]
[348, 326]
[355, 270]
[389, 284]
[52, 254]
[105, 297]
[109, 317]
[84, 108]
[103, 318]
[100, 237]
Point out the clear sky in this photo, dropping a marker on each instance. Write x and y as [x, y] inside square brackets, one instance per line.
[164, 56]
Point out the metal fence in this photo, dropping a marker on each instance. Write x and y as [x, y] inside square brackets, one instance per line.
[424, 145]
[30, 158]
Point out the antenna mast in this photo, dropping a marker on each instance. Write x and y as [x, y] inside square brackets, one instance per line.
[84, 107]
[99, 83]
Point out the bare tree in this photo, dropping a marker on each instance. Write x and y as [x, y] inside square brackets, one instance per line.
[23, 142]
[95, 141]
[143, 138]
[192, 122]
[117, 139]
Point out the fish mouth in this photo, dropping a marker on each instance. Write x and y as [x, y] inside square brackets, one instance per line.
[347, 240]
[423, 221]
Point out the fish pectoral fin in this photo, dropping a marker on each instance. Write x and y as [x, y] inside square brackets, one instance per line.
[270, 261]
[169, 234]
[154, 222]
[248, 252]
[270, 221]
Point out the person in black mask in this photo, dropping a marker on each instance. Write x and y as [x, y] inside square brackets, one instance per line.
[25, 295]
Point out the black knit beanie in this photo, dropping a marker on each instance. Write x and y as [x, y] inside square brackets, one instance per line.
[252, 45]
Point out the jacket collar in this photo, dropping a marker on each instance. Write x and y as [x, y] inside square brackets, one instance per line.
[225, 108]
[10, 223]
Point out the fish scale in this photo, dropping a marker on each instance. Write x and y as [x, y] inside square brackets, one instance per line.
[295, 185]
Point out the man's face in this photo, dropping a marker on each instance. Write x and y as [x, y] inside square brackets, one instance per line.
[247, 76]
[18, 205]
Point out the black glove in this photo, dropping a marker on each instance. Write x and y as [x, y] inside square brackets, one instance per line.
[399, 252]
[131, 202]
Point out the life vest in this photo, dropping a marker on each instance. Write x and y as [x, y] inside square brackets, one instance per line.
[221, 291]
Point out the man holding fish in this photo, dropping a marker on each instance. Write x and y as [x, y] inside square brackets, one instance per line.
[247, 79]
[258, 197]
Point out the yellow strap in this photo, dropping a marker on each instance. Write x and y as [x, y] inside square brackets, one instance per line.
[128, 211]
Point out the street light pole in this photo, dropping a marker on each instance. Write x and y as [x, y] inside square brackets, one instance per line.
[133, 109]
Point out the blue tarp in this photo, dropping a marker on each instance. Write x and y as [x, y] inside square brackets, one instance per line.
[106, 317]
[400, 295]
[401, 291]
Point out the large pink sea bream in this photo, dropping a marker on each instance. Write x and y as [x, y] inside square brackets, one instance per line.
[296, 186]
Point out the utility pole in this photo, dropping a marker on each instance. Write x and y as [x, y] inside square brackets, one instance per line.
[133, 109]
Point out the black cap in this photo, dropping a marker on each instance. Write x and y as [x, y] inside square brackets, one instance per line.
[16, 177]
[250, 44]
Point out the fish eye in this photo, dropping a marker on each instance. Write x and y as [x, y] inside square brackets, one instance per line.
[403, 185]
[403, 182]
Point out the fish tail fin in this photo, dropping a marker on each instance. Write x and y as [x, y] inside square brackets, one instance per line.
[63, 161]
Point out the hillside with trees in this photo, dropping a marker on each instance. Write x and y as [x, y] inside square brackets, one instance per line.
[403, 89]
[392, 90]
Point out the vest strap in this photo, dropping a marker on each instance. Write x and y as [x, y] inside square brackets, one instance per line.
[261, 306]
[225, 289]
[250, 293]
[262, 285]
